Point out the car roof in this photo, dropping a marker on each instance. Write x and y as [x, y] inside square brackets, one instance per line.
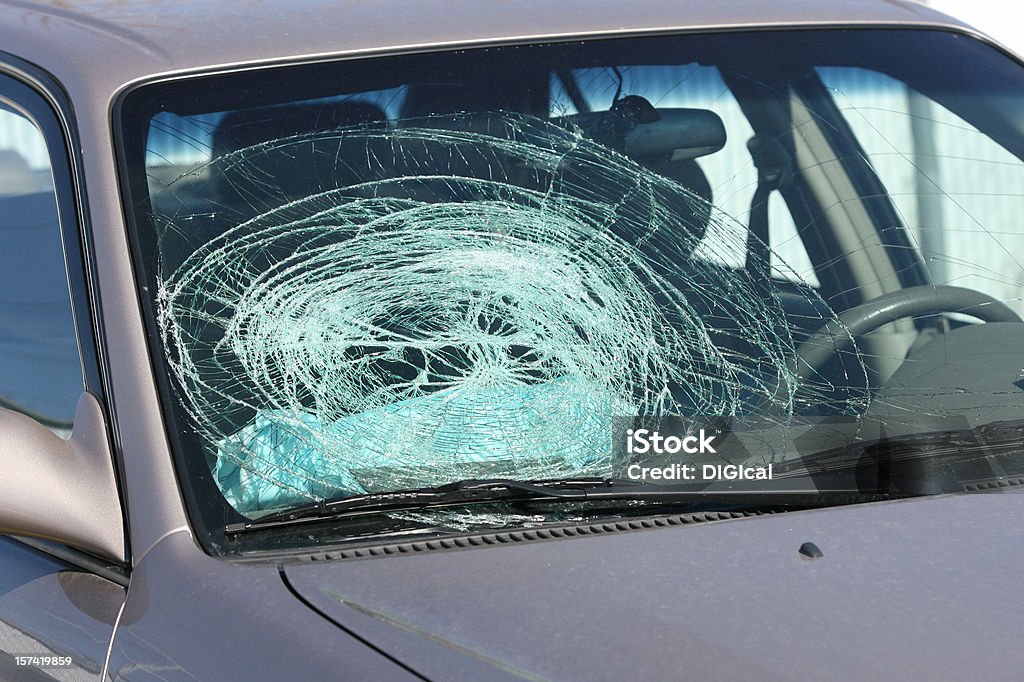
[95, 47]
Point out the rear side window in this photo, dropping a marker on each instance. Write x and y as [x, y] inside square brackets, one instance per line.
[40, 368]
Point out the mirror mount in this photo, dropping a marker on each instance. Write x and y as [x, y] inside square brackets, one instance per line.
[61, 490]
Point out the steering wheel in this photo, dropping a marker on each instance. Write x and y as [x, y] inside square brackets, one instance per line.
[910, 302]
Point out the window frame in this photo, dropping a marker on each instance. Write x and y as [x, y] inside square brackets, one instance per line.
[38, 96]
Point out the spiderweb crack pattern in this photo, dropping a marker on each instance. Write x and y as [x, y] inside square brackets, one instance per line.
[454, 297]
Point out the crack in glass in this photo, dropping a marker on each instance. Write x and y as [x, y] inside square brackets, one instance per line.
[463, 296]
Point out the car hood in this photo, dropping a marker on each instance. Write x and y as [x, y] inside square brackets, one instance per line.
[917, 589]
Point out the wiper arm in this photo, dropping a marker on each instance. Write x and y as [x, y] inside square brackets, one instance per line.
[792, 492]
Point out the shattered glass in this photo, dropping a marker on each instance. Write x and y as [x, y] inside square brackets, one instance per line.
[480, 297]
[482, 264]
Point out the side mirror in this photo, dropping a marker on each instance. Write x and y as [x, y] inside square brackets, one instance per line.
[62, 490]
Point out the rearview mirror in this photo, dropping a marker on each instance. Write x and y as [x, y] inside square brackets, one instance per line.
[670, 134]
[61, 490]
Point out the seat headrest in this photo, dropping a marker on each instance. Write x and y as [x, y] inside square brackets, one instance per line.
[241, 129]
[266, 177]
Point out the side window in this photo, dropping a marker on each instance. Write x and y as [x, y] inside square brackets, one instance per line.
[40, 366]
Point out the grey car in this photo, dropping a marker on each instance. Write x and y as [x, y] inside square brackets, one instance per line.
[471, 341]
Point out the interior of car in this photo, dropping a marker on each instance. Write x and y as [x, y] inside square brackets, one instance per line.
[788, 266]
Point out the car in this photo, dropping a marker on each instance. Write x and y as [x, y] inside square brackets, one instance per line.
[481, 341]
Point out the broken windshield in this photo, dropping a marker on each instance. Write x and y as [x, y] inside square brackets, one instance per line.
[611, 259]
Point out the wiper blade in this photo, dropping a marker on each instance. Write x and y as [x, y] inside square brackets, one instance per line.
[791, 492]
[461, 492]
[810, 481]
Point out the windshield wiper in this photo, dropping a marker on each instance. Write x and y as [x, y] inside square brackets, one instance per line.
[882, 469]
[917, 461]
[790, 492]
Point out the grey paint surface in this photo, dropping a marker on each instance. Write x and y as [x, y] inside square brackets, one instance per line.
[46, 609]
[905, 590]
[189, 616]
